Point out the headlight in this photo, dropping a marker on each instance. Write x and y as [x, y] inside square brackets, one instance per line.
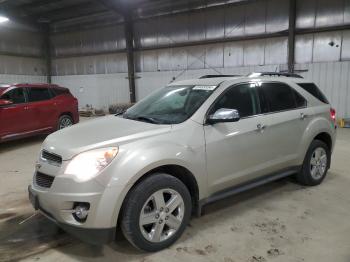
[88, 164]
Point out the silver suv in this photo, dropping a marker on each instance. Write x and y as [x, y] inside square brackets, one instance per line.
[183, 146]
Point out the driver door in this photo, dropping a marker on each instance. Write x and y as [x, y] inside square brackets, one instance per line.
[235, 151]
[14, 117]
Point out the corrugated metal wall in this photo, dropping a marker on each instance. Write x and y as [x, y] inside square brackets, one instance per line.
[334, 80]
[17, 65]
[21, 51]
[10, 79]
[74, 52]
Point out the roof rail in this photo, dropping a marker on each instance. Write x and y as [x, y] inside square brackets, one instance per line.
[274, 74]
[214, 76]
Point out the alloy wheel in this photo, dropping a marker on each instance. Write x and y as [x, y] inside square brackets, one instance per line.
[161, 215]
[65, 122]
[318, 163]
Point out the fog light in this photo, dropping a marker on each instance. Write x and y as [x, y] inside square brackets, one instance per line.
[81, 211]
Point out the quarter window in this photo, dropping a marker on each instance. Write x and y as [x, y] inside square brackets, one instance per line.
[38, 94]
[240, 97]
[15, 95]
[315, 91]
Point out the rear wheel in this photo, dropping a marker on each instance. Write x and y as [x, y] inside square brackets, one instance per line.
[156, 212]
[316, 164]
[64, 121]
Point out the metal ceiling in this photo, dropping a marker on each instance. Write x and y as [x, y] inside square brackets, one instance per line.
[89, 11]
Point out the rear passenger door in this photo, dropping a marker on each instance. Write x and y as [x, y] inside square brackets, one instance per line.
[41, 108]
[283, 109]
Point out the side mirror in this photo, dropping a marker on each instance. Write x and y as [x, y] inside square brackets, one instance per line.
[224, 115]
[4, 102]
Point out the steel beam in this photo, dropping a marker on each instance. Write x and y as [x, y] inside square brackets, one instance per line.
[291, 35]
[19, 55]
[129, 39]
[48, 53]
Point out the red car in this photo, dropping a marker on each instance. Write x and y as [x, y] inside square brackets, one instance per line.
[31, 109]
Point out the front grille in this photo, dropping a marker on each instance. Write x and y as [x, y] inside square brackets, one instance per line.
[53, 158]
[43, 180]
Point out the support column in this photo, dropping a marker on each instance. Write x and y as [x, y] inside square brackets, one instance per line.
[48, 53]
[291, 35]
[129, 38]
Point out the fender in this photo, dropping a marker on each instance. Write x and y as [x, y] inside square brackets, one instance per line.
[132, 164]
[316, 126]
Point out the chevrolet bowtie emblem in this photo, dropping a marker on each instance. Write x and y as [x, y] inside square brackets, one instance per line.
[38, 166]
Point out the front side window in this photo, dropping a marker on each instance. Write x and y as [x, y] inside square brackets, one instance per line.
[15, 95]
[275, 97]
[170, 105]
[240, 97]
[38, 94]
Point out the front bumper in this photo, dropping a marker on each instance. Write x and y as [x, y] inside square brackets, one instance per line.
[95, 236]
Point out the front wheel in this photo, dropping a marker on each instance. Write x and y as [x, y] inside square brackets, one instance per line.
[156, 212]
[316, 164]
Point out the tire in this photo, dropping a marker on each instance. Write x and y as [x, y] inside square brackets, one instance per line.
[64, 121]
[314, 171]
[144, 199]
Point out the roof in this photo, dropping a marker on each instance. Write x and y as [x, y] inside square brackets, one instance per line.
[237, 79]
[203, 81]
[4, 87]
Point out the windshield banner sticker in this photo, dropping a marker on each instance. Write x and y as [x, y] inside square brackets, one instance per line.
[207, 88]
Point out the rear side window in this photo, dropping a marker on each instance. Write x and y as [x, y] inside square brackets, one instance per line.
[241, 97]
[315, 91]
[60, 91]
[38, 94]
[275, 97]
[15, 95]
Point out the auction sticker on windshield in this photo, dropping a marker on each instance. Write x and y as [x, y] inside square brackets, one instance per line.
[207, 88]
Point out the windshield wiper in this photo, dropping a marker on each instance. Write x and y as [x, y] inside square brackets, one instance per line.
[143, 119]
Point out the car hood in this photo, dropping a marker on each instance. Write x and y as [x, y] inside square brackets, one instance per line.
[101, 132]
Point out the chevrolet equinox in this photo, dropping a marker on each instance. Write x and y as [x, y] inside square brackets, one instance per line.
[186, 145]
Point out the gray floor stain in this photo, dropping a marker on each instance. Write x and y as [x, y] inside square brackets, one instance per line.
[38, 234]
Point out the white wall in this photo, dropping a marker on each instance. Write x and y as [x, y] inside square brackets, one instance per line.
[104, 89]
[100, 91]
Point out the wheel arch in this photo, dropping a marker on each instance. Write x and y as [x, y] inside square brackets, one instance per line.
[326, 138]
[67, 113]
[178, 171]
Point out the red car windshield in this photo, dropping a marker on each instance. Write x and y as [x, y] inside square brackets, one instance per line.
[2, 90]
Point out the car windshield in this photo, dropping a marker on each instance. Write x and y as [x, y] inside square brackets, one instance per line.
[170, 105]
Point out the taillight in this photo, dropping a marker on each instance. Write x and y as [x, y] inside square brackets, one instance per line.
[332, 111]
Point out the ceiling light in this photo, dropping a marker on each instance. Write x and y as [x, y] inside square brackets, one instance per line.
[3, 19]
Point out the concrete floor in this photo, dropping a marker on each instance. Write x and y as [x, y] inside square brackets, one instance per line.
[281, 221]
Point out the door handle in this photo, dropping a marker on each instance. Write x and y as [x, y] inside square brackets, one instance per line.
[303, 116]
[260, 127]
